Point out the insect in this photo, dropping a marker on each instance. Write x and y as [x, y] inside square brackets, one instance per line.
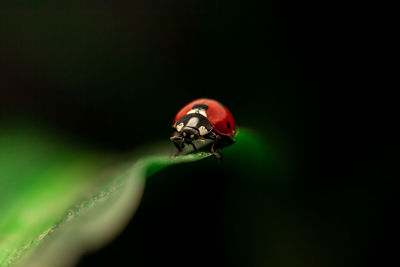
[204, 119]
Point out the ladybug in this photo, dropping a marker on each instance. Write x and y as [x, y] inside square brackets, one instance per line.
[204, 119]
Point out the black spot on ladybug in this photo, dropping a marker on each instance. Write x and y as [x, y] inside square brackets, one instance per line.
[200, 106]
[228, 124]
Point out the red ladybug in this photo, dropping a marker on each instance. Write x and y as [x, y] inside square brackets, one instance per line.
[204, 119]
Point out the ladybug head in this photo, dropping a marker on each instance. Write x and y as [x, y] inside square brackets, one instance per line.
[192, 127]
[185, 135]
[189, 134]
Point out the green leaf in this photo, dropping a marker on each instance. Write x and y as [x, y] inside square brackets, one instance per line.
[58, 200]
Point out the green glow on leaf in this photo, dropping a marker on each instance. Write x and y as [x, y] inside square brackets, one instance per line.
[58, 200]
[58, 197]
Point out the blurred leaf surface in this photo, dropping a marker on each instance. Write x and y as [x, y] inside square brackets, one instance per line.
[58, 200]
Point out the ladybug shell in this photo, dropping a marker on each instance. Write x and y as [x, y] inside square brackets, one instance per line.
[218, 115]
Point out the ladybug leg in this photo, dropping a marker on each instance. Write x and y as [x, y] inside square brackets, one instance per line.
[179, 146]
[216, 151]
[177, 140]
[215, 147]
[194, 147]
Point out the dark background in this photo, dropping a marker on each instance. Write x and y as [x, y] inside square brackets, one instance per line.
[310, 77]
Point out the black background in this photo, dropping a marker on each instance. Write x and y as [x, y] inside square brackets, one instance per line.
[310, 76]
